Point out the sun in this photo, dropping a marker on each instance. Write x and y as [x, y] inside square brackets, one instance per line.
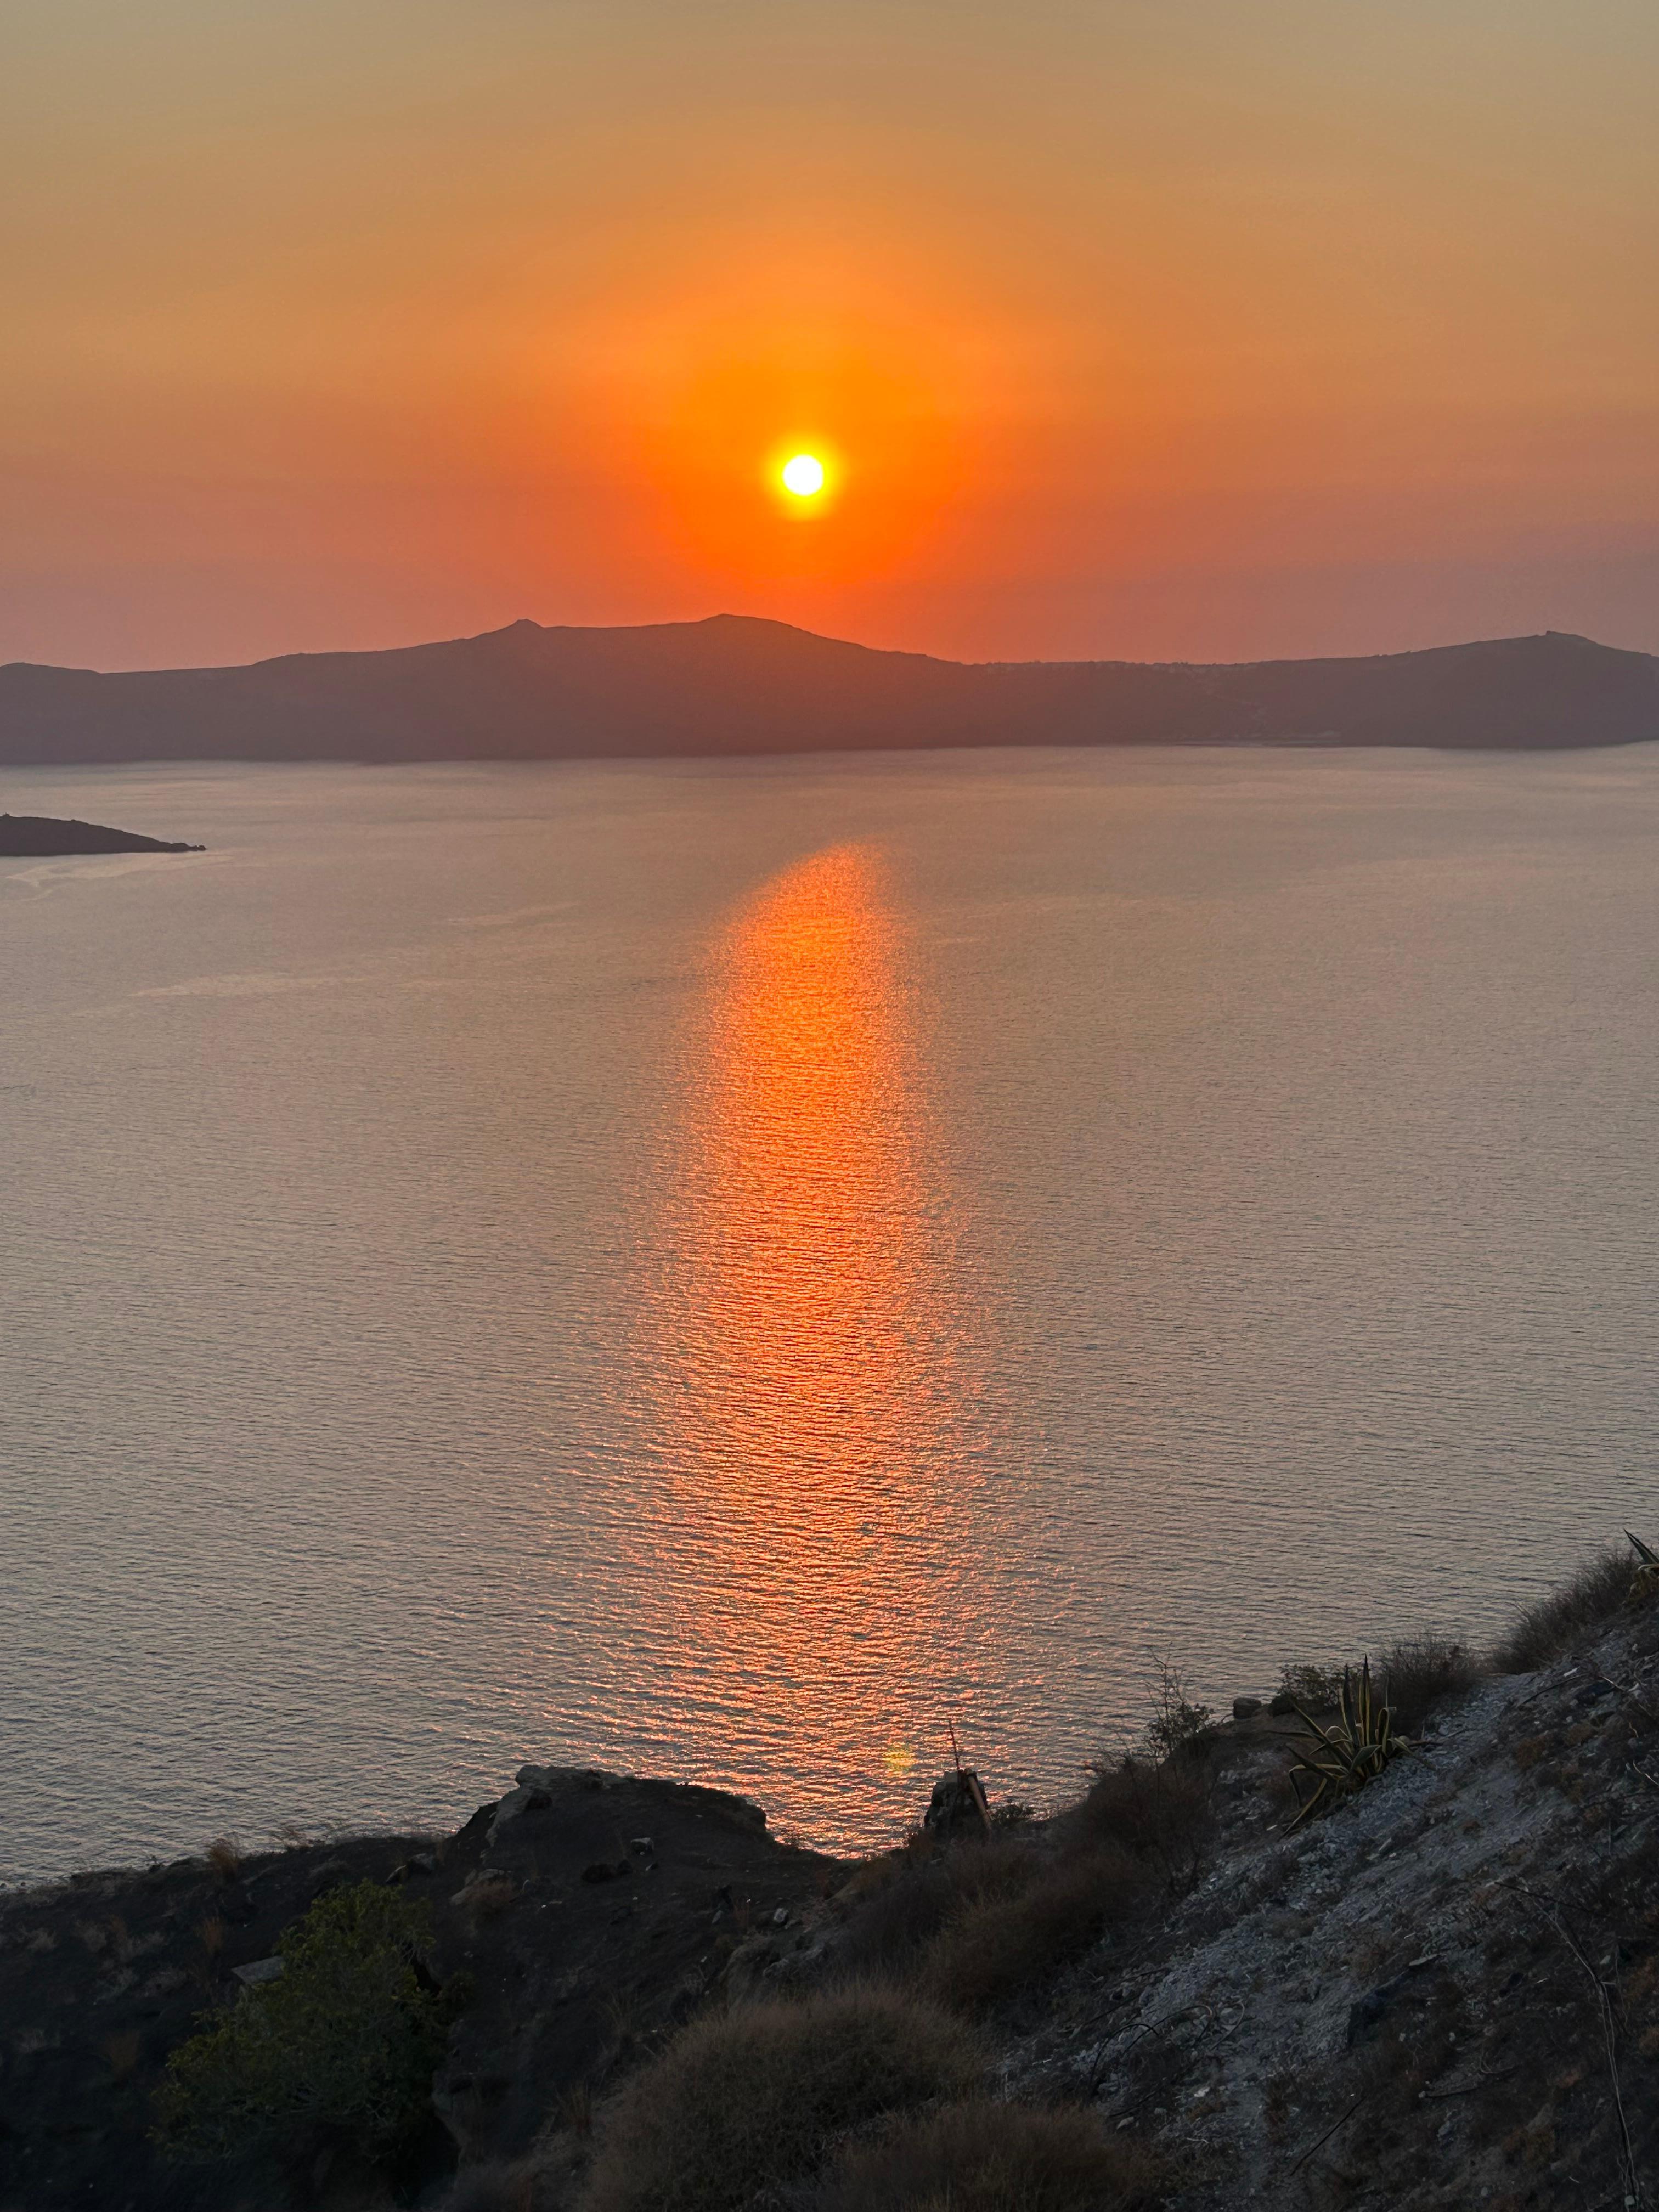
[804, 475]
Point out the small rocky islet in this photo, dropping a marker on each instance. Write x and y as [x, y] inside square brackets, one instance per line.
[43, 837]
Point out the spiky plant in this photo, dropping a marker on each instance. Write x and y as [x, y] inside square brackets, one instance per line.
[1348, 1751]
[1644, 1581]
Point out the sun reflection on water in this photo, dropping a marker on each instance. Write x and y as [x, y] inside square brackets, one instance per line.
[822, 1360]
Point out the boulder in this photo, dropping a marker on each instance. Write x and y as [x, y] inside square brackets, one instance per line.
[259, 1970]
[528, 1797]
[957, 1802]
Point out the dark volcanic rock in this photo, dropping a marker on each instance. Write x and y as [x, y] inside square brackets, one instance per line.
[38, 837]
[103, 1975]
[958, 1802]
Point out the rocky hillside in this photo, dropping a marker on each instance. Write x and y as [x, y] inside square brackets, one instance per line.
[1443, 1992]
[588, 1916]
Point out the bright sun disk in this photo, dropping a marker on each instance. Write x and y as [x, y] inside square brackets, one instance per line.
[803, 475]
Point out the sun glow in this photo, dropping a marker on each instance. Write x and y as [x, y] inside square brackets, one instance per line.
[804, 475]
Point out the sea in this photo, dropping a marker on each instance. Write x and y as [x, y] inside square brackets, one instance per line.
[779, 1273]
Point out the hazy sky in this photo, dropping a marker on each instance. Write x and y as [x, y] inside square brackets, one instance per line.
[1153, 328]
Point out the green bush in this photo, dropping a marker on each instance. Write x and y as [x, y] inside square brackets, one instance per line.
[993, 2157]
[751, 2100]
[342, 2047]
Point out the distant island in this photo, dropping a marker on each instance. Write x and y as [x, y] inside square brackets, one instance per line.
[735, 685]
[38, 837]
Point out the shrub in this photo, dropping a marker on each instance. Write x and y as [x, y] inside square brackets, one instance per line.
[1594, 1594]
[1310, 1688]
[995, 1944]
[909, 1896]
[750, 2100]
[993, 2157]
[224, 1858]
[342, 2046]
[1160, 1812]
[492, 2188]
[1177, 1723]
[1420, 1673]
[538, 2183]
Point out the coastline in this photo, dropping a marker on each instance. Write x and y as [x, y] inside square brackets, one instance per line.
[1208, 1976]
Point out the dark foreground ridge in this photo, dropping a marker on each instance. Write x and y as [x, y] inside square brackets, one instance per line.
[734, 685]
[1197, 1989]
[38, 837]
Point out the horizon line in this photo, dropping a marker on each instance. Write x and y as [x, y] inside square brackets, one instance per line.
[823, 637]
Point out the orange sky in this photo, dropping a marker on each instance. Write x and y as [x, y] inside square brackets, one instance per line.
[1158, 328]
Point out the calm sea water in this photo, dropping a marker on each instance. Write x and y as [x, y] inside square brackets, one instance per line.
[733, 1270]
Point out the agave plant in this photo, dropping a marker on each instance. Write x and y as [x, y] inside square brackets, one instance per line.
[1350, 1751]
[1644, 1581]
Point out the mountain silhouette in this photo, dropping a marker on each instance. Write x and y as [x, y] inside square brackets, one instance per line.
[736, 685]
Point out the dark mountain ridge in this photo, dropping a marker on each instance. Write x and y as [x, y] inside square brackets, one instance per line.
[736, 685]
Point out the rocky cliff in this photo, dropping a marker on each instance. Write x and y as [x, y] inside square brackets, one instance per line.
[1443, 1991]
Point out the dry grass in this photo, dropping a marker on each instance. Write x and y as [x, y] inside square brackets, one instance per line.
[486, 1894]
[575, 2110]
[1594, 1594]
[993, 2157]
[543, 2182]
[969, 1923]
[995, 1945]
[493, 2188]
[1420, 1673]
[1312, 1687]
[224, 1858]
[1159, 1813]
[752, 2100]
[905, 1898]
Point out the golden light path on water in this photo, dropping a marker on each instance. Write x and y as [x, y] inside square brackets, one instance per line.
[832, 1530]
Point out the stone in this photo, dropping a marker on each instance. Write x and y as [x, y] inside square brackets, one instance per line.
[422, 1864]
[485, 1890]
[1366, 2017]
[1246, 1708]
[528, 1797]
[331, 1874]
[260, 1970]
[957, 1802]
[746, 1968]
